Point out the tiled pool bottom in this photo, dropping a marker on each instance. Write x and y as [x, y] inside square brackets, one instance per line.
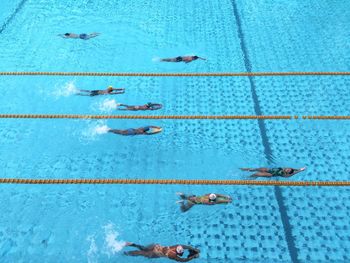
[248, 230]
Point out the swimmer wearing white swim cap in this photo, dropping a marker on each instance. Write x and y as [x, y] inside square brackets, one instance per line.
[188, 201]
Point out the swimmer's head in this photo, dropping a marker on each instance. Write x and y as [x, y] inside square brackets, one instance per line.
[195, 57]
[212, 197]
[289, 170]
[179, 250]
[110, 88]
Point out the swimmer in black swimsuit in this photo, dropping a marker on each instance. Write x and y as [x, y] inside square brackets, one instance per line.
[188, 201]
[157, 251]
[270, 172]
[148, 130]
[186, 59]
[81, 36]
[109, 91]
[148, 106]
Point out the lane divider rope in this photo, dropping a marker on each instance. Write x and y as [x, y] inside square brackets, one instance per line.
[203, 74]
[179, 117]
[172, 181]
[192, 117]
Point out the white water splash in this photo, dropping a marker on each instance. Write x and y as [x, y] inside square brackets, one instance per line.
[101, 129]
[108, 105]
[112, 244]
[94, 130]
[93, 250]
[67, 90]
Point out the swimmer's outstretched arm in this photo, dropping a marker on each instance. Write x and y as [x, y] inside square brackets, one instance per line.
[202, 58]
[227, 199]
[190, 256]
[118, 91]
[155, 127]
[185, 259]
[297, 171]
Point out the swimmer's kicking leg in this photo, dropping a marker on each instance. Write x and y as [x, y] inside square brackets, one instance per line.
[143, 251]
[128, 244]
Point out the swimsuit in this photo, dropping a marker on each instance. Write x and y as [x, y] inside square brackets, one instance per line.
[94, 92]
[158, 250]
[276, 172]
[198, 200]
[83, 36]
[146, 129]
[131, 132]
[178, 59]
[135, 131]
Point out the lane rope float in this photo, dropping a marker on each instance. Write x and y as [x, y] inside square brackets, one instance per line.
[203, 74]
[185, 117]
[173, 182]
[177, 117]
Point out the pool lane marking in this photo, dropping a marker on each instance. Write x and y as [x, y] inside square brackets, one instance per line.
[175, 74]
[12, 16]
[266, 144]
[177, 182]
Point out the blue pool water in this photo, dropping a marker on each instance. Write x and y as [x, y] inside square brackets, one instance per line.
[89, 223]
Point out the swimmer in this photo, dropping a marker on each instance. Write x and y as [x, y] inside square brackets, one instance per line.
[270, 172]
[147, 130]
[186, 59]
[157, 251]
[81, 36]
[148, 106]
[209, 199]
[109, 91]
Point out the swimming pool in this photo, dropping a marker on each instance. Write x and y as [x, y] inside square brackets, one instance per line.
[88, 223]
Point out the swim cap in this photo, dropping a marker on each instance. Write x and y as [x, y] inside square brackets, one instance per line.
[179, 250]
[110, 88]
[212, 197]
